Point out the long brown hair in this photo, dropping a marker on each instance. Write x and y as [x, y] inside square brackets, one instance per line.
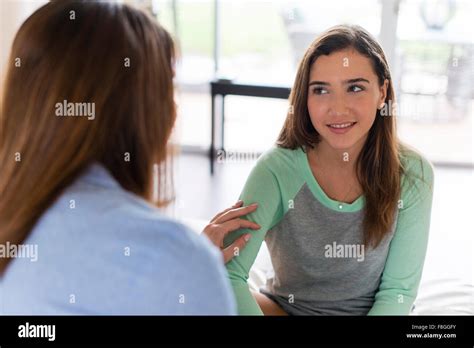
[108, 55]
[379, 169]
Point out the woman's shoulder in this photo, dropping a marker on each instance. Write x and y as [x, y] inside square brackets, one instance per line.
[123, 245]
[97, 208]
[280, 160]
[417, 171]
[415, 164]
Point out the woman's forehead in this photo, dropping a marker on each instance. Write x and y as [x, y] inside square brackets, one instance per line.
[341, 65]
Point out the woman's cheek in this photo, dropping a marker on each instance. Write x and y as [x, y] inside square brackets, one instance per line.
[367, 116]
[362, 108]
[316, 114]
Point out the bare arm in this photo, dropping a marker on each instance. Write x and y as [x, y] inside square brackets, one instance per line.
[267, 306]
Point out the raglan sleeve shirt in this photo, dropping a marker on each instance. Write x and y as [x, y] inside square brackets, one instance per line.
[403, 268]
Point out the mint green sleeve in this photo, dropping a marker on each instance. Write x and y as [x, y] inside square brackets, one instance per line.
[404, 265]
[262, 188]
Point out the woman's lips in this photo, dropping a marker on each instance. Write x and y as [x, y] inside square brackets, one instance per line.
[341, 128]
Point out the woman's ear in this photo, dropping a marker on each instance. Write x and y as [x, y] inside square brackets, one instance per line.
[383, 94]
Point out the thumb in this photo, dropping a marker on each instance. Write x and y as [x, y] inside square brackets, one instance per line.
[235, 248]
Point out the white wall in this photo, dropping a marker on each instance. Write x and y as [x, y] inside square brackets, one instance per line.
[12, 15]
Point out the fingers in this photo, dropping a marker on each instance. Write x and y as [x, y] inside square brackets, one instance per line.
[228, 221]
[236, 205]
[235, 248]
[213, 233]
[236, 224]
[217, 232]
[235, 213]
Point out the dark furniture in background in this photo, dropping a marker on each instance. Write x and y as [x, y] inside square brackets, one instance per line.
[223, 88]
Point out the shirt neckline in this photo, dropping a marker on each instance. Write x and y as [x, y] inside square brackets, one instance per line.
[97, 174]
[319, 193]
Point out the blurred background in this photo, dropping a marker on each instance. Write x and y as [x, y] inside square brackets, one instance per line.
[429, 45]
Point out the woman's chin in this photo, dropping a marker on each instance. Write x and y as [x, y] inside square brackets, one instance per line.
[341, 144]
[344, 142]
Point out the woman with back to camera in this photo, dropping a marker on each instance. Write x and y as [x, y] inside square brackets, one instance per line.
[86, 113]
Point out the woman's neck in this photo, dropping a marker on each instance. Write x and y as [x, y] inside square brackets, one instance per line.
[336, 159]
[336, 172]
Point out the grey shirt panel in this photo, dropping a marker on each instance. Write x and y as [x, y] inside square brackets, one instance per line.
[320, 262]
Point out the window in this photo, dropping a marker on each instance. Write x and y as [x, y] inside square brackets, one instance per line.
[430, 52]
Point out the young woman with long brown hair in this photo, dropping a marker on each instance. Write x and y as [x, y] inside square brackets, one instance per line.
[86, 113]
[344, 206]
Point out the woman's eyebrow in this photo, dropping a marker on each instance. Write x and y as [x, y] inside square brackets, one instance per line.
[323, 83]
[359, 79]
[319, 83]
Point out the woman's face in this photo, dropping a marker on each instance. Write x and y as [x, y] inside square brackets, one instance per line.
[343, 97]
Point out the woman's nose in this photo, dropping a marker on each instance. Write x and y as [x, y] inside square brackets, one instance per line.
[338, 107]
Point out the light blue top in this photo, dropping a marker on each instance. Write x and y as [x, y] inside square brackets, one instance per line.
[103, 250]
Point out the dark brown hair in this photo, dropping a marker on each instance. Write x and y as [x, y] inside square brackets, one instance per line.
[114, 56]
[378, 166]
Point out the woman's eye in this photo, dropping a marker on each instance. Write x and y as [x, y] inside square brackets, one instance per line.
[319, 90]
[355, 88]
